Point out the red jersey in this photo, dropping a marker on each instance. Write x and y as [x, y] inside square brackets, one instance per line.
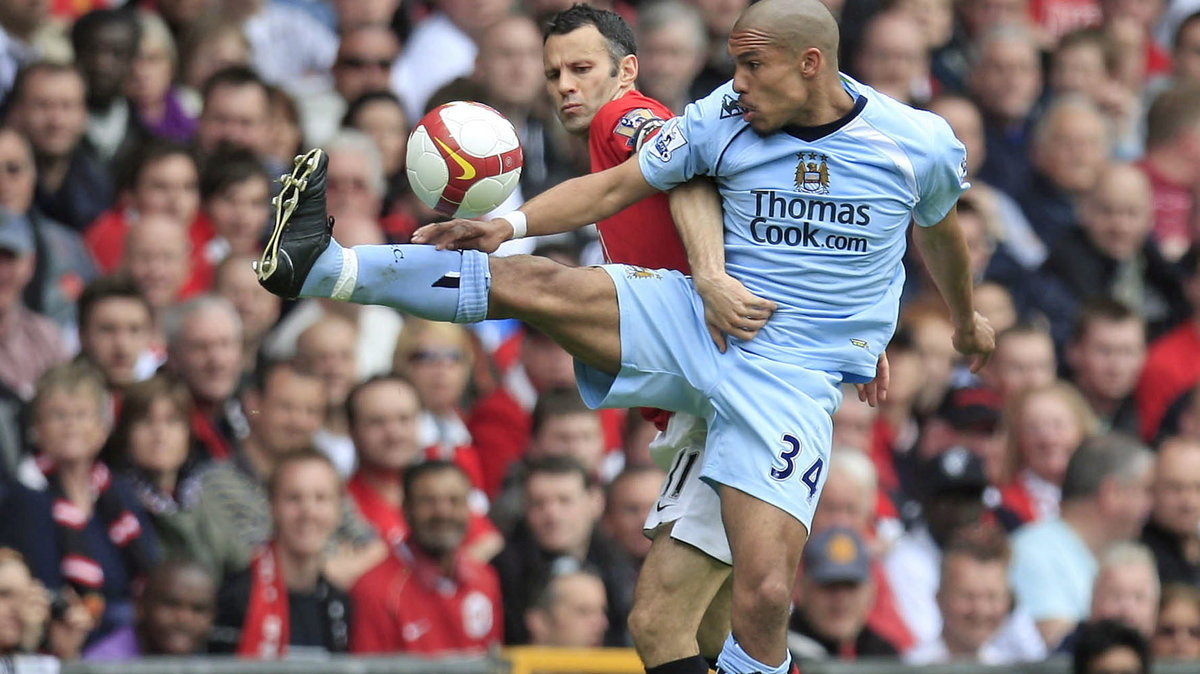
[1172, 368]
[643, 234]
[406, 605]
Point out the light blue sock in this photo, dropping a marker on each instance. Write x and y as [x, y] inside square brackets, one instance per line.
[734, 660]
[440, 285]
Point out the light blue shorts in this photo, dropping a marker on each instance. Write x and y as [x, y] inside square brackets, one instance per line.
[769, 423]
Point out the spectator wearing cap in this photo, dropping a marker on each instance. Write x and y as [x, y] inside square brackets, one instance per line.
[1109, 647]
[976, 606]
[1105, 499]
[951, 501]
[1173, 532]
[968, 418]
[1106, 354]
[1046, 424]
[29, 343]
[832, 600]
[63, 264]
[427, 596]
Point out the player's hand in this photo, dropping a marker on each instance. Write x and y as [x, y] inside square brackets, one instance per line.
[976, 341]
[875, 391]
[462, 234]
[730, 309]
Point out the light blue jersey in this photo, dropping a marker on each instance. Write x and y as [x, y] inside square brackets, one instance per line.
[816, 218]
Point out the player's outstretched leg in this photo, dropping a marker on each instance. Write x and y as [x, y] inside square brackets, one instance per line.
[576, 307]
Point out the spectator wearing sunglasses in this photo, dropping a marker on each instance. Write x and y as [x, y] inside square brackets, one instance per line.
[1177, 636]
[363, 66]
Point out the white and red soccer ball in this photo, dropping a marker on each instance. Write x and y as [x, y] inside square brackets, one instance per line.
[464, 159]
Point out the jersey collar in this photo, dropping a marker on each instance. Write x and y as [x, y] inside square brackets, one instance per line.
[811, 134]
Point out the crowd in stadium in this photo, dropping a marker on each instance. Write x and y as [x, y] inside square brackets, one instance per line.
[189, 465]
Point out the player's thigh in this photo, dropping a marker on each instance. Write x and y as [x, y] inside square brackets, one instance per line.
[575, 306]
[768, 448]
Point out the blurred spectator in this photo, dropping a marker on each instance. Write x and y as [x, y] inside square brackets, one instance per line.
[1024, 359]
[932, 335]
[967, 418]
[1110, 256]
[442, 47]
[1172, 164]
[236, 111]
[832, 598]
[853, 423]
[382, 413]
[21, 26]
[952, 501]
[284, 407]
[1106, 354]
[365, 55]
[105, 43]
[630, 497]
[1173, 361]
[174, 616]
[62, 264]
[355, 182]
[995, 303]
[894, 57]
[204, 339]
[180, 15]
[235, 280]
[500, 422]
[1006, 80]
[378, 326]
[26, 621]
[1126, 589]
[1173, 532]
[1070, 148]
[438, 359]
[719, 17]
[326, 348]
[1080, 66]
[571, 612]
[213, 42]
[29, 343]
[284, 602]
[23, 528]
[285, 135]
[1105, 499]
[151, 82]
[116, 331]
[427, 597]
[975, 602]
[46, 105]
[1046, 424]
[673, 46]
[559, 533]
[151, 446]
[235, 193]
[381, 116]
[277, 60]
[1137, 19]
[158, 259]
[1177, 636]
[355, 13]
[1108, 647]
[1185, 56]
[105, 543]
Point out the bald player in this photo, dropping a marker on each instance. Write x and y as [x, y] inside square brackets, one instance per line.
[819, 179]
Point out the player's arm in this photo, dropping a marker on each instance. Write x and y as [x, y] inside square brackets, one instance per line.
[569, 205]
[728, 307]
[945, 253]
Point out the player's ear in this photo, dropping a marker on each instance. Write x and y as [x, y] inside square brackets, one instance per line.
[627, 70]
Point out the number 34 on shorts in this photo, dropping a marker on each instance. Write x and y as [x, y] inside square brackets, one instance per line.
[811, 477]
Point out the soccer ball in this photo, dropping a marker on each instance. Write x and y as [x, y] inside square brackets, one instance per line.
[464, 159]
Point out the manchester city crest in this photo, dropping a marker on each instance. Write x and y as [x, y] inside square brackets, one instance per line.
[812, 173]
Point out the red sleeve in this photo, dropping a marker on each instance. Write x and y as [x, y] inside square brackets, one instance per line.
[372, 629]
[621, 126]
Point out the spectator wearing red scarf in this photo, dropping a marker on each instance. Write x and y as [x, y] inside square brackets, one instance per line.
[283, 603]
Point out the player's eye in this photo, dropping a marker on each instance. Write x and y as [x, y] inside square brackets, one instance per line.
[582, 69]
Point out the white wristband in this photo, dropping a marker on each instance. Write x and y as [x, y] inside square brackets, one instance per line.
[519, 222]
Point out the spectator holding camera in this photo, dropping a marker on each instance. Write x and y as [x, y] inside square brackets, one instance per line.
[32, 618]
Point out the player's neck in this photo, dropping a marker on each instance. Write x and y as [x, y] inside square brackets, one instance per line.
[830, 102]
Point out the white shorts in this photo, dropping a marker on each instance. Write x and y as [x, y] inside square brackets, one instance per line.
[686, 500]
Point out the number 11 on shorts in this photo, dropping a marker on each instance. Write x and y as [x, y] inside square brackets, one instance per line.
[811, 477]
